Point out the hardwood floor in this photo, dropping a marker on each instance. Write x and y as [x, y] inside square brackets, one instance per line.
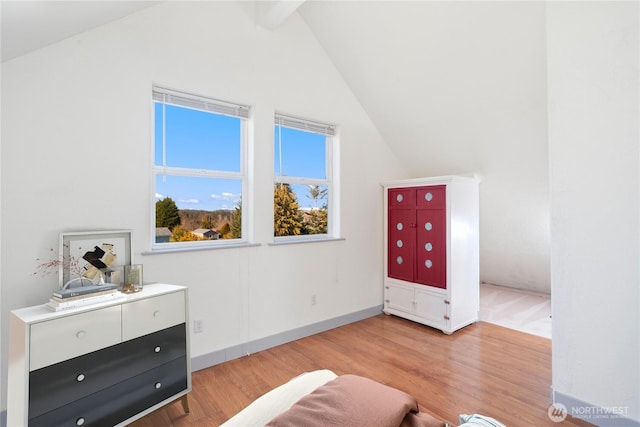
[483, 368]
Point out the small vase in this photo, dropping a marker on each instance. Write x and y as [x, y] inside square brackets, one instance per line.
[132, 278]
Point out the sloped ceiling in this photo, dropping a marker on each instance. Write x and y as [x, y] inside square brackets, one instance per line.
[440, 79]
[30, 25]
[458, 88]
[454, 87]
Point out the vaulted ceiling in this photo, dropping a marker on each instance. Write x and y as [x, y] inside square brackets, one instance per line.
[30, 25]
[453, 77]
[458, 88]
[454, 88]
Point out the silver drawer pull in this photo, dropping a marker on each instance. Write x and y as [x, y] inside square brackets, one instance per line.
[80, 334]
[80, 377]
[157, 349]
[80, 421]
[158, 385]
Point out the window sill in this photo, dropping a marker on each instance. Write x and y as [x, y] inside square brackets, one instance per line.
[198, 248]
[295, 241]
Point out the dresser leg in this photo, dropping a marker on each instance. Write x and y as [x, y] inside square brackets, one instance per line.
[185, 403]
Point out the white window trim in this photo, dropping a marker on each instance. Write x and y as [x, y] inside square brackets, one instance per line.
[202, 103]
[332, 173]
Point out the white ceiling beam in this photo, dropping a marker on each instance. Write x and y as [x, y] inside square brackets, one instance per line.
[271, 14]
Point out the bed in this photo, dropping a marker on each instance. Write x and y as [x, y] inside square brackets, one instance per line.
[323, 399]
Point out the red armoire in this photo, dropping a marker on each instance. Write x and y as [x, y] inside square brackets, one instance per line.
[431, 273]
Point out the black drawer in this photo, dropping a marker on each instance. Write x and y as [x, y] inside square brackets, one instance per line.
[68, 381]
[121, 401]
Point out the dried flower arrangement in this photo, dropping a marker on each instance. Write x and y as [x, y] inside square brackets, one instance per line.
[53, 265]
[90, 266]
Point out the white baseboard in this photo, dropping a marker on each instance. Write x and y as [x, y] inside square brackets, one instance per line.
[594, 414]
[240, 350]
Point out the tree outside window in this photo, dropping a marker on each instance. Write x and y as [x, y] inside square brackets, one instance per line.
[305, 181]
[199, 168]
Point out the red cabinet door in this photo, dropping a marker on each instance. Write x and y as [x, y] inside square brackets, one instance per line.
[401, 244]
[417, 233]
[431, 262]
[431, 197]
[403, 198]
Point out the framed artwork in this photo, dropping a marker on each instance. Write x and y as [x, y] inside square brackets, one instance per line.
[94, 255]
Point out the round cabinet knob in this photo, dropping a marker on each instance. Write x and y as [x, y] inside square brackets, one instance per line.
[428, 226]
[80, 378]
[399, 243]
[399, 226]
[157, 349]
[399, 198]
[80, 334]
[80, 421]
[156, 313]
[428, 197]
[399, 260]
[428, 247]
[158, 385]
[428, 263]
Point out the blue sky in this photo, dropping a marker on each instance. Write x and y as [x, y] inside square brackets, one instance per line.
[201, 140]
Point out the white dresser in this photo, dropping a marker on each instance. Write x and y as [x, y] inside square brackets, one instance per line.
[100, 365]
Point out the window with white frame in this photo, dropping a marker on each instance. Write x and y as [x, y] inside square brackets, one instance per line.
[199, 170]
[305, 193]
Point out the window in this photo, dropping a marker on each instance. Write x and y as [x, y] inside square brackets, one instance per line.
[305, 188]
[199, 170]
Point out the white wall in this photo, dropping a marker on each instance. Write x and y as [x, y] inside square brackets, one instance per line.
[594, 146]
[76, 153]
[2, 314]
[459, 87]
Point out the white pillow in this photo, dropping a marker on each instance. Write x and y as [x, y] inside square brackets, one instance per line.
[476, 420]
[278, 400]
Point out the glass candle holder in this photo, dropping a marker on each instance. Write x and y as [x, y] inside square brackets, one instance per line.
[132, 278]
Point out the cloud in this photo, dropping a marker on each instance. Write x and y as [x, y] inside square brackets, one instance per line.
[226, 196]
[189, 201]
[159, 196]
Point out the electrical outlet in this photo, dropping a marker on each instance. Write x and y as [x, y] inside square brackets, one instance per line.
[314, 299]
[197, 326]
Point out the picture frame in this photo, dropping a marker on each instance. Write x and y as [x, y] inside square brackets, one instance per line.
[95, 255]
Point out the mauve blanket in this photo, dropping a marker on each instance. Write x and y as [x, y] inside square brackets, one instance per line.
[354, 401]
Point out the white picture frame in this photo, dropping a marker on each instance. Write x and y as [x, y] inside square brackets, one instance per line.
[94, 255]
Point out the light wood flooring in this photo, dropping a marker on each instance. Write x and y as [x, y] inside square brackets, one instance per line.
[524, 311]
[483, 368]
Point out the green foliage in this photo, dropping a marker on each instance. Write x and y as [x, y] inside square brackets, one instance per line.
[317, 193]
[236, 222]
[316, 221]
[167, 213]
[179, 234]
[195, 218]
[225, 231]
[207, 222]
[287, 219]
